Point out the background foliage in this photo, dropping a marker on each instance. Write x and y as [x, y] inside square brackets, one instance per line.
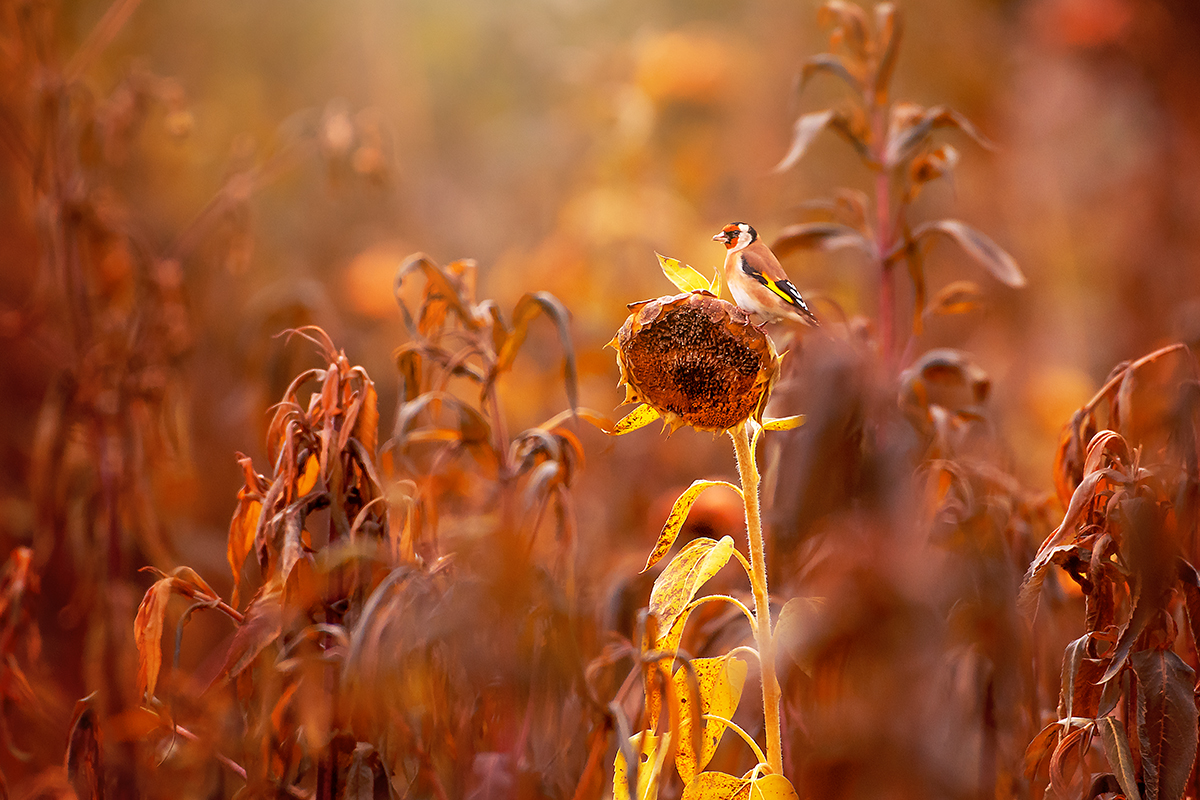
[181, 182]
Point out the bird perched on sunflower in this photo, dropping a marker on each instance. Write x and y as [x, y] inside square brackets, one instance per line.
[756, 279]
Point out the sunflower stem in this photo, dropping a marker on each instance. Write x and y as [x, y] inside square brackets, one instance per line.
[764, 636]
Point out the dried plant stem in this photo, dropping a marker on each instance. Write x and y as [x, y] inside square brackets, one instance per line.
[748, 472]
[883, 241]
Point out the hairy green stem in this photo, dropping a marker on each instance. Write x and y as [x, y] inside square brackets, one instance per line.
[748, 472]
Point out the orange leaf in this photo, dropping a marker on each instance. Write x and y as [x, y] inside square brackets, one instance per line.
[308, 480]
[147, 633]
[366, 427]
[242, 528]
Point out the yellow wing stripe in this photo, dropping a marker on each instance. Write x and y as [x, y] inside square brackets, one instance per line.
[774, 287]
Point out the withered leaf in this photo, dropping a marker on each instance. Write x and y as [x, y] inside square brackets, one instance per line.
[262, 625]
[1074, 742]
[911, 126]
[1120, 759]
[308, 479]
[439, 284]
[957, 297]
[85, 752]
[528, 307]
[1040, 747]
[147, 634]
[826, 236]
[1168, 732]
[366, 777]
[834, 65]
[806, 130]
[366, 427]
[981, 248]
[849, 24]
[678, 516]
[1035, 575]
[890, 28]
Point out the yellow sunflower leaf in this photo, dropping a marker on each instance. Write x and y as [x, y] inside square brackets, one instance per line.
[772, 787]
[678, 516]
[720, 681]
[715, 285]
[715, 786]
[650, 761]
[684, 277]
[783, 423]
[640, 417]
[690, 569]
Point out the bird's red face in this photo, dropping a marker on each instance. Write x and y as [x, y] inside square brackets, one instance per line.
[736, 235]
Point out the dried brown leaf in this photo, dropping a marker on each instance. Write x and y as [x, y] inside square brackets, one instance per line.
[832, 64]
[806, 129]
[262, 625]
[1168, 732]
[890, 28]
[957, 297]
[825, 236]
[1120, 759]
[981, 248]
[527, 308]
[85, 752]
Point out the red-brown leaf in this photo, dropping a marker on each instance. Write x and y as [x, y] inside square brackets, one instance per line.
[1168, 734]
[261, 627]
[85, 753]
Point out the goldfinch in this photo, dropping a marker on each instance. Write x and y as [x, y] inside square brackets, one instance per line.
[757, 280]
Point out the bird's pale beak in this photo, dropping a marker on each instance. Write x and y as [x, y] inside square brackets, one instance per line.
[720, 237]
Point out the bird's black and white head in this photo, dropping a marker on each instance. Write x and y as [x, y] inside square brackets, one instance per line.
[736, 236]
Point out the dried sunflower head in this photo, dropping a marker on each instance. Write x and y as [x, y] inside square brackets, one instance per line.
[696, 360]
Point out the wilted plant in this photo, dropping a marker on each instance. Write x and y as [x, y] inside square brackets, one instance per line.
[370, 655]
[895, 141]
[1127, 474]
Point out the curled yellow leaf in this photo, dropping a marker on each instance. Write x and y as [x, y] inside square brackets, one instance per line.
[678, 515]
[640, 417]
[783, 423]
[690, 569]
